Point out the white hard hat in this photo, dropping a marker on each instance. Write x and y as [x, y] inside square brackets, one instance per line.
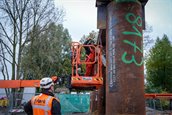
[46, 83]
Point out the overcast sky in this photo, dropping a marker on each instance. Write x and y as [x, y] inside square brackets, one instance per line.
[81, 17]
[159, 16]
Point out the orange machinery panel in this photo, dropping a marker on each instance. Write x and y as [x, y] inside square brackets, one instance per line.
[19, 83]
[82, 81]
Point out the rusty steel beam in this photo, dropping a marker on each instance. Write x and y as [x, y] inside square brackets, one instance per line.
[101, 17]
[101, 11]
[102, 2]
[124, 54]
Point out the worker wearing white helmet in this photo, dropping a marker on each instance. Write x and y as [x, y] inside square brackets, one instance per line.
[45, 103]
[46, 83]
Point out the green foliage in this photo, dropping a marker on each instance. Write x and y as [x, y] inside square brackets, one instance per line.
[159, 66]
[48, 54]
[165, 104]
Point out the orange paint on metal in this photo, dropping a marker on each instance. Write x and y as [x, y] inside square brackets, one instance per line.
[19, 83]
[160, 95]
[78, 80]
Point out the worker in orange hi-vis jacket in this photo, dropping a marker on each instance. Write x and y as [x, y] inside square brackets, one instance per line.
[90, 57]
[45, 103]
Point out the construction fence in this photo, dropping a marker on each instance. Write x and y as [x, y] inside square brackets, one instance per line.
[159, 104]
[70, 103]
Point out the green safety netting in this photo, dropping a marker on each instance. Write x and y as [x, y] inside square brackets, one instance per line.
[74, 103]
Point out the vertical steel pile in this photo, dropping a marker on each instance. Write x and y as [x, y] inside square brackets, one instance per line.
[125, 72]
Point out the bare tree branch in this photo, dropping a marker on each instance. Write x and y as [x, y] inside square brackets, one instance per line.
[22, 23]
[4, 62]
[6, 35]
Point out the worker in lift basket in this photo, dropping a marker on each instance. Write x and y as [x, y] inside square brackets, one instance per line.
[90, 57]
[45, 103]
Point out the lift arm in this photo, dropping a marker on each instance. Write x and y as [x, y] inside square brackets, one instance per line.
[19, 83]
[23, 83]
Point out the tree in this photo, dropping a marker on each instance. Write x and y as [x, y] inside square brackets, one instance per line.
[50, 54]
[17, 19]
[159, 66]
[147, 41]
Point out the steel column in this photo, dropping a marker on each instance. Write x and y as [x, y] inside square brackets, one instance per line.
[125, 72]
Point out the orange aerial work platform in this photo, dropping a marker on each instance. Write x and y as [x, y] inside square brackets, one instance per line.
[80, 64]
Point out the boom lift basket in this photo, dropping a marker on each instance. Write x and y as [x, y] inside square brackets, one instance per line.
[80, 64]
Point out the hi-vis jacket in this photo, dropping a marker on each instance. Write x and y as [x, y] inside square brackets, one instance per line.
[42, 104]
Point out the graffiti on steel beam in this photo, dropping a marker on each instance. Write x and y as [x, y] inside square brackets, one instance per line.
[134, 21]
